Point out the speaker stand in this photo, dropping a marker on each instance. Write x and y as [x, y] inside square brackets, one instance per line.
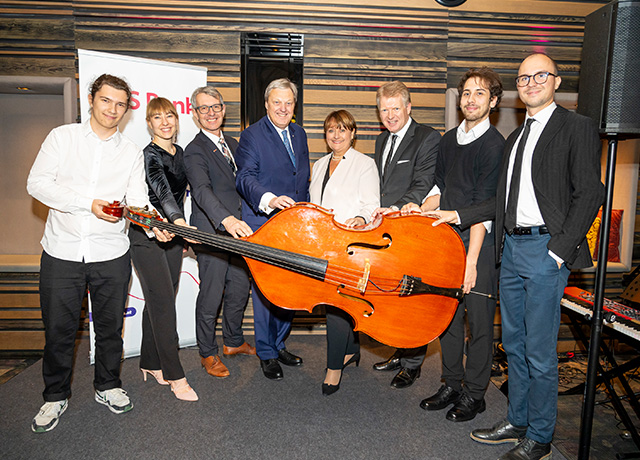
[588, 403]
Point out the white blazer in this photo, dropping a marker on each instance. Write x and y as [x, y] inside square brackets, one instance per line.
[352, 190]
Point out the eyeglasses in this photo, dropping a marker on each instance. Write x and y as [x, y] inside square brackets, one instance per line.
[540, 78]
[204, 109]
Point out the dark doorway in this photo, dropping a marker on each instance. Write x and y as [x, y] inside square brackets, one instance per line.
[267, 57]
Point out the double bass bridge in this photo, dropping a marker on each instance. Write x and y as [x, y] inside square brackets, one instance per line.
[412, 285]
[362, 282]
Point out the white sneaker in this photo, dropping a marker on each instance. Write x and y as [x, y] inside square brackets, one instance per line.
[47, 418]
[115, 399]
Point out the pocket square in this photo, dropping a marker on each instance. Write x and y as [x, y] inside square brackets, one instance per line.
[402, 161]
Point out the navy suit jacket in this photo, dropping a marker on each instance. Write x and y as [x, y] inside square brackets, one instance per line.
[566, 181]
[213, 185]
[264, 166]
[411, 174]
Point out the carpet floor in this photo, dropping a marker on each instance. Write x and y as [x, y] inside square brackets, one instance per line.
[246, 416]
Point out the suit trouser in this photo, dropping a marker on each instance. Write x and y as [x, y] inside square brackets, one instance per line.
[341, 339]
[224, 278]
[271, 323]
[480, 313]
[158, 267]
[531, 287]
[63, 285]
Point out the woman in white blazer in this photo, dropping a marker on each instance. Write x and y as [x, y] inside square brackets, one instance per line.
[347, 182]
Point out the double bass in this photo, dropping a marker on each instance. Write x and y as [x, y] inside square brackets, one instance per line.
[399, 278]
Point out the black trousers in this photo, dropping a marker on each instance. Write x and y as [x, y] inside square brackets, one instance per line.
[480, 312]
[158, 267]
[223, 277]
[341, 340]
[63, 285]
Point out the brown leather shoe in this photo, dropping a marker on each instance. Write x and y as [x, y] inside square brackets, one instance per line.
[214, 366]
[244, 349]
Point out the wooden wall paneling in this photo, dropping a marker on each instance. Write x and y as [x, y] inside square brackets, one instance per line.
[37, 38]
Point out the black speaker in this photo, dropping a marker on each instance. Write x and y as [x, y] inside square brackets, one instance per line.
[610, 68]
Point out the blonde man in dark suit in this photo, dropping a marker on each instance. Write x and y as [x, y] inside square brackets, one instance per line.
[406, 156]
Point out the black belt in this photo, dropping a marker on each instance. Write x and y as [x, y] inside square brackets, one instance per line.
[541, 230]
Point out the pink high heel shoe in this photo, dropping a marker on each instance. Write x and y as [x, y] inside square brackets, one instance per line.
[155, 374]
[182, 390]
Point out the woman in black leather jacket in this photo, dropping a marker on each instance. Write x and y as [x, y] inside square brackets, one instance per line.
[158, 264]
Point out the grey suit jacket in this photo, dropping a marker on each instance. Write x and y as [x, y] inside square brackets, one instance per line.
[213, 185]
[411, 173]
[566, 181]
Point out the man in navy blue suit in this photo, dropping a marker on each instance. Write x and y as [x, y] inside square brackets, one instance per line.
[273, 174]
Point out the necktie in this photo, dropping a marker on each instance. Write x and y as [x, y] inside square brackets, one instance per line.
[390, 154]
[287, 145]
[511, 215]
[227, 155]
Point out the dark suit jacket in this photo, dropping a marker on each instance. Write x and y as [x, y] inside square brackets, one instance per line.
[411, 173]
[264, 166]
[213, 185]
[566, 181]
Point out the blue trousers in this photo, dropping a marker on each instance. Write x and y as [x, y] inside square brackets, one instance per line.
[271, 323]
[531, 287]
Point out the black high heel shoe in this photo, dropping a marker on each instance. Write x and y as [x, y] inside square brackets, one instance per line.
[354, 359]
[328, 390]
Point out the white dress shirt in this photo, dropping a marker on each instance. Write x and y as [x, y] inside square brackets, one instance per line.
[529, 214]
[74, 167]
[268, 196]
[216, 140]
[352, 190]
[387, 147]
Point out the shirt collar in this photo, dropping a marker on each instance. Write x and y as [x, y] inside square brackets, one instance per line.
[88, 131]
[543, 116]
[474, 133]
[404, 129]
[279, 130]
[215, 139]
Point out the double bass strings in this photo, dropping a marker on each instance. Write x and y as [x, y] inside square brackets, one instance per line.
[340, 276]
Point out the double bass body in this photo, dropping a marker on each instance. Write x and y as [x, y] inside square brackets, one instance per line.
[400, 280]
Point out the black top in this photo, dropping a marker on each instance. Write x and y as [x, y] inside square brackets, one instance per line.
[167, 180]
[468, 174]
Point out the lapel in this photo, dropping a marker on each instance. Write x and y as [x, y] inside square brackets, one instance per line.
[378, 154]
[406, 141]
[553, 127]
[216, 155]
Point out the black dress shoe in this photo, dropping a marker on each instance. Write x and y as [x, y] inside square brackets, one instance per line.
[405, 377]
[446, 395]
[271, 369]
[528, 449]
[466, 409]
[499, 433]
[390, 364]
[289, 359]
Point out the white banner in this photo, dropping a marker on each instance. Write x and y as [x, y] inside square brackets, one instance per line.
[148, 79]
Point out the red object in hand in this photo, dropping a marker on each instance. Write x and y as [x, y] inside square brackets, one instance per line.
[114, 209]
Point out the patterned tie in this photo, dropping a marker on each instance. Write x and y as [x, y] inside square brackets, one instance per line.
[227, 155]
[287, 145]
[390, 154]
[510, 219]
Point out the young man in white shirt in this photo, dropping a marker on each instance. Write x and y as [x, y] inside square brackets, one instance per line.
[80, 169]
